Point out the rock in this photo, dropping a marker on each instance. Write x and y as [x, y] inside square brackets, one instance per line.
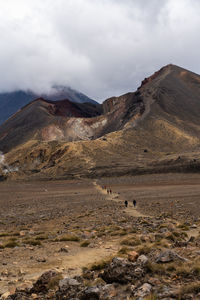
[107, 292]
[22, 233]
[121, 271]
[19, 295]
[41, 285]
[91, 293]
[5, 295]
[168, 256]
[63, 249]
[41, 259]
[144, 290]
[142, 259]
[194, 226]
[132, 256]
[191, 239]
[69, 288]
[163, 230]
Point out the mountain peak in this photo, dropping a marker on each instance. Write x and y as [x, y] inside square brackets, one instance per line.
[163, 72]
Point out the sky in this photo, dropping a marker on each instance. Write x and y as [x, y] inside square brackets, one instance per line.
[102, 48]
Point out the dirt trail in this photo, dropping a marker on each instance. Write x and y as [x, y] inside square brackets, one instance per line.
[73, 262]
[131, 211]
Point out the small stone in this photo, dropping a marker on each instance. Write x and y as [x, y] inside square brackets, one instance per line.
[5, 295]
[22, 233]
[194, 226]
[142, 259]
[68, 282]
[63, 249]
[144, 290]
[41, 259]
[132, 256]
[168, 256]
[91, 293]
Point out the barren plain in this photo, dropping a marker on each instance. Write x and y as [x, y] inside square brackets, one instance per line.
[68, 226]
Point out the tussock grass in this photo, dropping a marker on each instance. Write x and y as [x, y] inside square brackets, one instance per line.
[42, 237]
[85, 244]
[32, 242]
[145, 249]
[192, 288]
[159, 269]
[100, 265]
[151, 297]
[123, 251]
[184, 227]
[53, 283]
[10, 244]
[131, 242]
[4, 234]
[69, 237]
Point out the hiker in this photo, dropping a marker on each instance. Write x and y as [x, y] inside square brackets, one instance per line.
[126, 203]
[107, 191]
[110, 191]
[134, 203]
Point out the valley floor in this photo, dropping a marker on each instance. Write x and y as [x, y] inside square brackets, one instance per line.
[72, 225]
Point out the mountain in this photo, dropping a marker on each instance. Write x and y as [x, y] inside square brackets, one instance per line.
[155, 129]
[11, 102]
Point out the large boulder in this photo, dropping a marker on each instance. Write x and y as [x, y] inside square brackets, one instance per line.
[91, 293]
[42, 284]
[69, 288]
[122, 271]
[169, 256]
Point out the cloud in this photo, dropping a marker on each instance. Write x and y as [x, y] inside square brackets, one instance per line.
[100, 47]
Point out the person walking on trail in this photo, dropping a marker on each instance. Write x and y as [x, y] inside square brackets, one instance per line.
[126, 203]
[134, 203]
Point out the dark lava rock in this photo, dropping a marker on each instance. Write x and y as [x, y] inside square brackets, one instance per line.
[122, 271]
[41, 285]
[91, 293]
[19, 295]
[69, 288]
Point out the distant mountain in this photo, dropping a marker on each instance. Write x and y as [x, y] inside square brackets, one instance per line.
[11, 102]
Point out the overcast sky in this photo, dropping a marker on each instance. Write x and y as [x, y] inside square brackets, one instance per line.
[99, 47]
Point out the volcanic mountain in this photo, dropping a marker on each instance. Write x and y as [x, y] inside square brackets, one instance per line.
[155, 129]
[12, 101]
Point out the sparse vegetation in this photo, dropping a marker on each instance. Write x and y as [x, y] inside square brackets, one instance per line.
[145, 249]
[10, 244]
[32, 242]
[123, 250]
[97, 266]
[42, 237]
[131, 242]
[69, 237]
[53, 283]
[193, 287]
[85, 244]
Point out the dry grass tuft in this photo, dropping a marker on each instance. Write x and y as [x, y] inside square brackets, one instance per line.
[85, 244]
[69, 237]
